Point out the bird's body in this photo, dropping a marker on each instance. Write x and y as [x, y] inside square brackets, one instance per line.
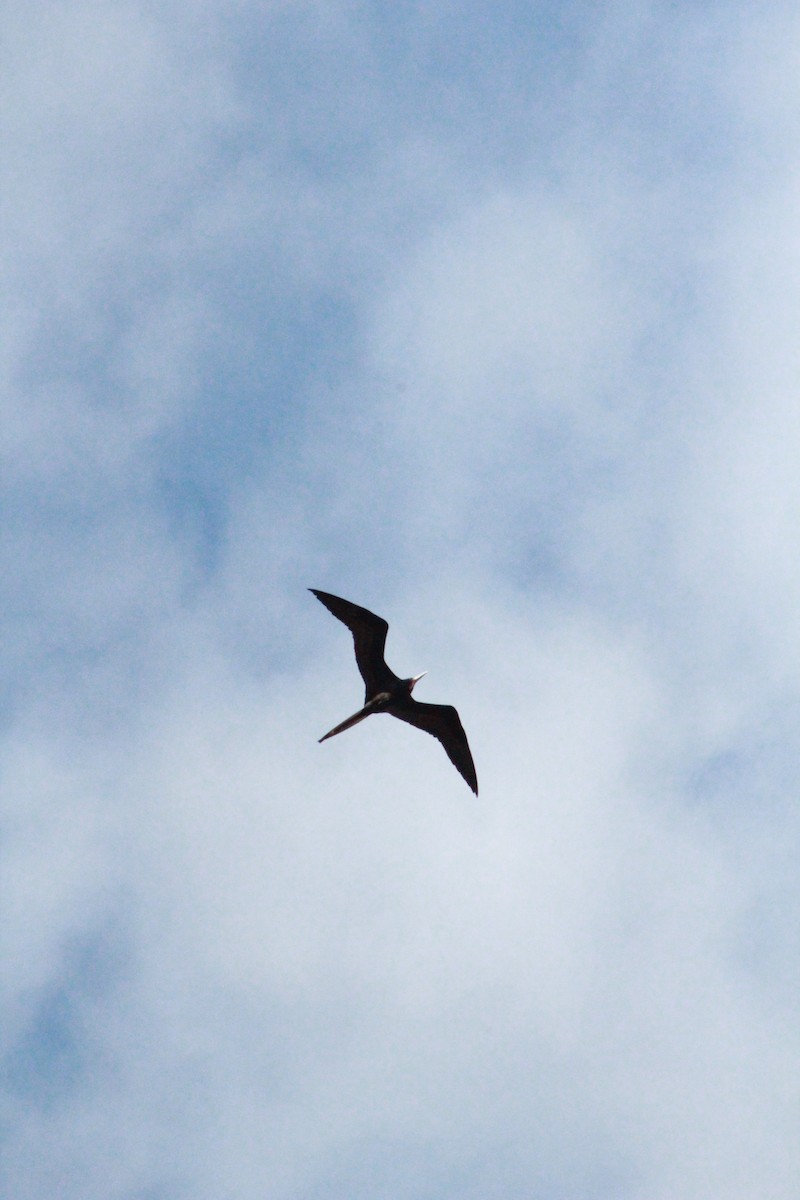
[386, 692]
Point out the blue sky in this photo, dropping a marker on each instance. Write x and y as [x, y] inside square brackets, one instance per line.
[482, 316]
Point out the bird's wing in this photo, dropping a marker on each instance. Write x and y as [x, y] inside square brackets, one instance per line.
[444, 723]
[369, 638]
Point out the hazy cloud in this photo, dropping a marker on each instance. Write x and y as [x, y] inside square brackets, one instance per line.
[483, 319]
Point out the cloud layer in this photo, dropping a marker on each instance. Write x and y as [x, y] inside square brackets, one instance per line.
[485, 324]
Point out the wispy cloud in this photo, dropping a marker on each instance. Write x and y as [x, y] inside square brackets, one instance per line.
[481, 319]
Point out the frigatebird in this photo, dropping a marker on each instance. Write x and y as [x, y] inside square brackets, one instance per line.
[385, 692]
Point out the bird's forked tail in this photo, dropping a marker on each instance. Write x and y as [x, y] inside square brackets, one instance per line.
[354, 720]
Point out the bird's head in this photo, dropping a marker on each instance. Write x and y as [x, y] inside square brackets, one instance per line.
[413, 681]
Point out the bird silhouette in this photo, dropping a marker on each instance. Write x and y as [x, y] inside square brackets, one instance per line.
[386, 692]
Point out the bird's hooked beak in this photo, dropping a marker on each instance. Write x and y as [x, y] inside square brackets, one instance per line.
[416, 680]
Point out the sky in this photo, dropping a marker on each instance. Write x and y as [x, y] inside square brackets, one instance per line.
[485, 317]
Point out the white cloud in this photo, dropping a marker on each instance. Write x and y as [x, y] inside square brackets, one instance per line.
[242, 963]
[108, 129]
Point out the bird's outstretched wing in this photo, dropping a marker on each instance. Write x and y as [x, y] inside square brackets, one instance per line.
[369, 638]
[444, 723]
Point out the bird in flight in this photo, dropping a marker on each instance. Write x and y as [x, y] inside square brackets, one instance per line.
[386, 693]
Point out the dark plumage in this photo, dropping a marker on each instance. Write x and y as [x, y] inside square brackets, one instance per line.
[386, 692]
